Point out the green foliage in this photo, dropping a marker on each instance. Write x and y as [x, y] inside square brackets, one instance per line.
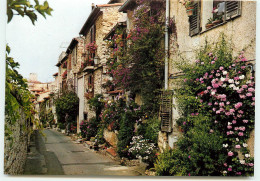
[150, 129]
[97, 103]
[125, 134]
[25, 8]
[68, 103]
[61, 125]
[100, 131]
[215, 98]
[88, 128]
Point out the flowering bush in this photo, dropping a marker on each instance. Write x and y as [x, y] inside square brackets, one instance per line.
[216, 100]
[140, 69]
[141, 148]
[92, 47]
[112, 114]
[88, 128]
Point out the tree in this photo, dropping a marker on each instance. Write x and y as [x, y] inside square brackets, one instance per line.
[25, 8]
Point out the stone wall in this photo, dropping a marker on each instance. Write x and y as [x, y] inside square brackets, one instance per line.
[16, 145]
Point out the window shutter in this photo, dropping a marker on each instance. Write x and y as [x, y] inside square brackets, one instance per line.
[166, 111]
[233, 9]
[195, 20]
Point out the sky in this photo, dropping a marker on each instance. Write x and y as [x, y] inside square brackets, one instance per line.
[38, 47]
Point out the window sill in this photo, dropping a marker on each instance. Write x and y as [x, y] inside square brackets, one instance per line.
[220, 24]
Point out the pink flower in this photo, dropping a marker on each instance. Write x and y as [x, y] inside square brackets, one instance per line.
[189, 174]
[202, 63]
[237, 146]
[225, 164]
[249, 94]
[232, 110]
[211, 76]
[209, 87]
[216, 103]
[211, 130]
[240, 112]
[222, 104]
[230, 169]
[212, 62]
[210, 104]
[184, 123]
[252, 104]
[238, 105]
[243, 128]
[253, 98]
[245, 121]
[189, 156]
[218, 112]
[242, 96]
[234, 122]
[251, 89]
[229, 127]
[240, 134]
[230, 153]
[243, 67]
[236, 78]
[228, 133]
[228, 102]
[251, 164]
[238, 173]
[236, 128]
[244, 86]
[221, 68]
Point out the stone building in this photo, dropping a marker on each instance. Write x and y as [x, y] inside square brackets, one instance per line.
[90, 79]
[188, 34]
[238, 25]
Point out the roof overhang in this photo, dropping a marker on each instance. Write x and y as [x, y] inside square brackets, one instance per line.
[56, 74]
[96, 12]
[112, 31]
[72, 45]
[128, 5]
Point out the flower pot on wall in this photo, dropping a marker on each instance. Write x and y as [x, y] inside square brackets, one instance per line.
[209, 25]
[217, 22]
[190, 11]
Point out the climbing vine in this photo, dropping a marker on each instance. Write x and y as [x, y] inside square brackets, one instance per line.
[216, 100]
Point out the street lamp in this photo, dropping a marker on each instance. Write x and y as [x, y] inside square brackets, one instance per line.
[96, 60]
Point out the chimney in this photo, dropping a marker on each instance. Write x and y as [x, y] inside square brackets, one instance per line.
[93, 6]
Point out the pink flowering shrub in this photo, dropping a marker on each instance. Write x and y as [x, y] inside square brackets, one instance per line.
[217, 105]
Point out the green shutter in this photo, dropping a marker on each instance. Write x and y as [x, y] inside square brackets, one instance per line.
[195, 20]
[233, 9]
[166, 111]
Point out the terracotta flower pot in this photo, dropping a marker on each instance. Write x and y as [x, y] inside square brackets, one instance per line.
[217, 22]
[209, 25]
[190, 11]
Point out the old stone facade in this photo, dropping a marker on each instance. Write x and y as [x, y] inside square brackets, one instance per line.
[105, 18]
[16, 145]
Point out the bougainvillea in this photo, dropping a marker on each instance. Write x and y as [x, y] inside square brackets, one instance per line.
[140, 68]
[216, 97]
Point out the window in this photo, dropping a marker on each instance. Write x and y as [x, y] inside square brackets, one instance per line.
[213, 13]
[195, 19]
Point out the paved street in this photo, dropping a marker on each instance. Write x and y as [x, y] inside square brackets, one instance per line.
[57, 154]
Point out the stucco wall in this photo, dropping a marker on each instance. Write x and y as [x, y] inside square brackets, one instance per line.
[241, 32]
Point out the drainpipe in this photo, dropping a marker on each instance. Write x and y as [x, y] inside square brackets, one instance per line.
[166, 68]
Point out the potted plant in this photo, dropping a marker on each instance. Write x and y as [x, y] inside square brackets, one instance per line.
[92, 47]
[209, 24]
[189, 5]
[216, 18]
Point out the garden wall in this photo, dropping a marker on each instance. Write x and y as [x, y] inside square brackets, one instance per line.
[16, 145]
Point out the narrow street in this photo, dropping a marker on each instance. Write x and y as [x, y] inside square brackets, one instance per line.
[57, 154]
